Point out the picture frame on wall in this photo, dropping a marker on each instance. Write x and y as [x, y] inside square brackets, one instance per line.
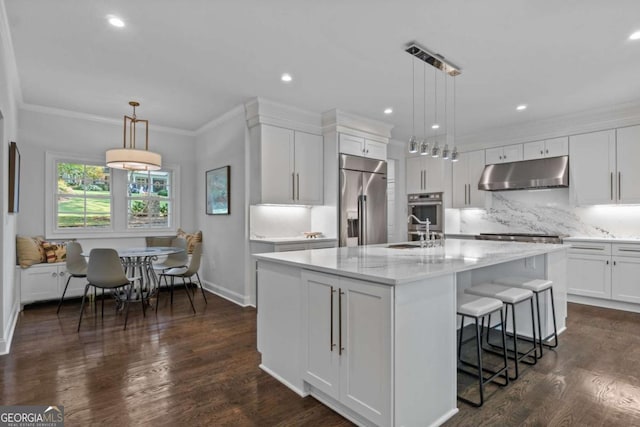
[14, 178]
[217, 185]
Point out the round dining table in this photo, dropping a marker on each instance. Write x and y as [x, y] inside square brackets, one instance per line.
[139, 262]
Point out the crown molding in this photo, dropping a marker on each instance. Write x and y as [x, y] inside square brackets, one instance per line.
[96, 118]
[592, 120]
[350, 123]
[225, 117]
[10, 56]
[264, 111]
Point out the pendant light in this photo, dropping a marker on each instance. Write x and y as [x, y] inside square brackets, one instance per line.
[424, 146]
[129, 157]
[438, 62]
[413, 142]
[435, 152]
[445, 150]
[454, 153]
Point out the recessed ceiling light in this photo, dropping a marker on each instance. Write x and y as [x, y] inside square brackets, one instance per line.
[286, 77]
[635, 36]
[115, 21]
[435, 126]
[388, 110]
[521, 107]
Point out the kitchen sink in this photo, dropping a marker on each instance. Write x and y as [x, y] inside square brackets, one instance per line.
[403, 246]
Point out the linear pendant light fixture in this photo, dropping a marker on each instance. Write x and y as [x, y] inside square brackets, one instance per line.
[129, 157]
[439, 63]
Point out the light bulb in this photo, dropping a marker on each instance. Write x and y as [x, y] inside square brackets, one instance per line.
[424, 148]
[413, 144]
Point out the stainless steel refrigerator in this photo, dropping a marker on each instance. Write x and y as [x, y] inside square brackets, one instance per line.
[363, 201]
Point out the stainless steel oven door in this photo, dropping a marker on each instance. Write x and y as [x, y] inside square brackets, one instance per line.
[425, 210]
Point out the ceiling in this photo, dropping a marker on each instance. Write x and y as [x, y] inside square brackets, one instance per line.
[189, 62]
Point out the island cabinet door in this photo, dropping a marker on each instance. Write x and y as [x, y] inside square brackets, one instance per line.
[365, 327]
[320, 326]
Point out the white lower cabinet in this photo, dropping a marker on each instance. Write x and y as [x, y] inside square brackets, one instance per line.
[605, 270]
[348, 336]
[42, 282]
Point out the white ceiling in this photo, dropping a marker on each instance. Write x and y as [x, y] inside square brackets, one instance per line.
[190, 61]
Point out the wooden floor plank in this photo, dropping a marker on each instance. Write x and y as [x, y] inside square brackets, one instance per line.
[184, 369]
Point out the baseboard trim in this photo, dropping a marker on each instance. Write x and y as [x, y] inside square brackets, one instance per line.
[234, 297]
[293, 388]
[604, 303]
[7, 338]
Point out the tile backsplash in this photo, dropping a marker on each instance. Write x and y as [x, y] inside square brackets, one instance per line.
[547, 211]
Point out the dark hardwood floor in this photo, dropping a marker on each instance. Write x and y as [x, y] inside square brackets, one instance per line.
[185, 369]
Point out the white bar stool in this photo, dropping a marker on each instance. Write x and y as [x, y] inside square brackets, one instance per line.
[510, 297]
[477, 308]
[537, 286]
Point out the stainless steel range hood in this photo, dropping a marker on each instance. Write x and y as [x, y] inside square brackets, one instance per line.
[552, 172]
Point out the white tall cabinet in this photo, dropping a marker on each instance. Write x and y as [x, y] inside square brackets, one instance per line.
[604, 166]
[291, 166]
[466, 174]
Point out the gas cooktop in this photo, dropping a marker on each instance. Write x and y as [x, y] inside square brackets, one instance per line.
[523, 237]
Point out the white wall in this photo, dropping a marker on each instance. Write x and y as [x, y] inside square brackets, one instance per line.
[42, 131]
[225, 242]
[9, 303]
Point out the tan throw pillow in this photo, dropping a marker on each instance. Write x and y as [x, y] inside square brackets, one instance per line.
[50, 251]
[191, 239]
[29, 251]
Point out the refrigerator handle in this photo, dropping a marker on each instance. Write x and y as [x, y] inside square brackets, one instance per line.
[363, 219]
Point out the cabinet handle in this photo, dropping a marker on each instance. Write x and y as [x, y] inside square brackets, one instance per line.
[628, 250]
[591, 248]
[614, 263]
[546, 151]
[505, 157]
[619, 185]
[298, 185]
[469, 193]
[331, 344]
[61, 274]
[611, 182]
[541, 152]
[293, 185]
[607, 262]
[340, 347]
[54, 274]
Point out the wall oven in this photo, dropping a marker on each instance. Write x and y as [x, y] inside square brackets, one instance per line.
[425, 206]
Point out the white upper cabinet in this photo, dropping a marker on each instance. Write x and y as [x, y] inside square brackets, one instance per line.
[628, 164]
[425, 174]
[547, 148]
[291, 166]
[363, 147]
[508, 153]
[592, 167]
[466, 174]
[604, 167]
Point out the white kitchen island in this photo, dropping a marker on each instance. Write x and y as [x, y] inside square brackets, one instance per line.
[370, 331]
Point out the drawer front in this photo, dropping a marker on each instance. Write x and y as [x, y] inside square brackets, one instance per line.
[626, 250]
[321, 245]
[590, 248]
[39, 284]
[351, 145]
[291, 247]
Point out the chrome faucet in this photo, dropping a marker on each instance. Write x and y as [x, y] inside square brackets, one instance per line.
[425, 224]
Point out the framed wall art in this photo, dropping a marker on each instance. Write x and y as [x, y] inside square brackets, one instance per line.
[217, 189]
[14, 178]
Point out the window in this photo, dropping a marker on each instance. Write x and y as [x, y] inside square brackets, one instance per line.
[149, 199]
[83, 196]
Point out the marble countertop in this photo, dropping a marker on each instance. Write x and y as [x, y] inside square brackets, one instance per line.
[296, 239]
[602, 239]
[380, 264]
